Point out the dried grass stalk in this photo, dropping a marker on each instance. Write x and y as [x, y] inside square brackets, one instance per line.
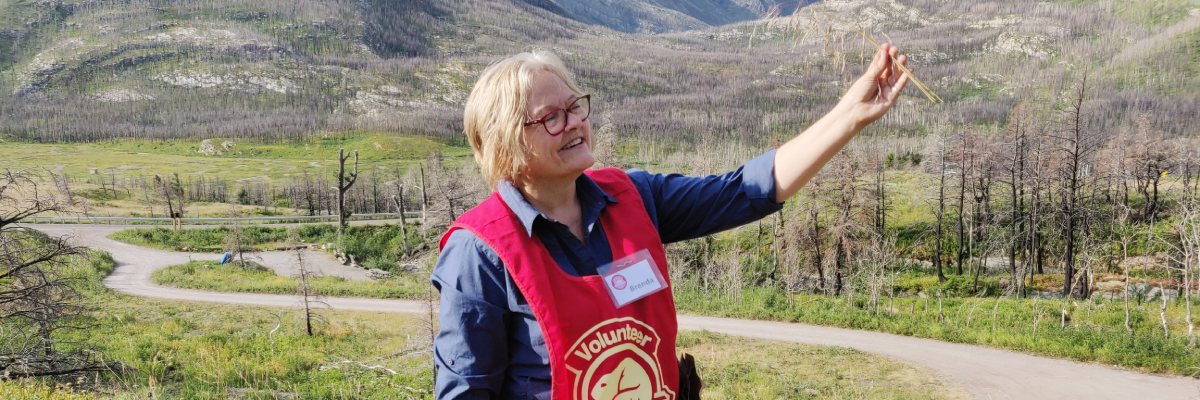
[770, 15]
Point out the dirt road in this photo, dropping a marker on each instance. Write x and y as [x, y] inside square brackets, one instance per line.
[985, 373]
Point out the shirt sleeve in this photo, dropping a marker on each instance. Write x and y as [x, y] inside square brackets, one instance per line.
[685, 207]
[470, 350]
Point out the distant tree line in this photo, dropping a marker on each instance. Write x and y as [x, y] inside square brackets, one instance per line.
[440, 192]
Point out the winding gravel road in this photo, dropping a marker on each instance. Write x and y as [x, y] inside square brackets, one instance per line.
[985, 373]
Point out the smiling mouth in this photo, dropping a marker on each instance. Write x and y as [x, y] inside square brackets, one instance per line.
[574, 143]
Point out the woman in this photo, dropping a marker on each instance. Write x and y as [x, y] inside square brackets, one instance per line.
[555, 285]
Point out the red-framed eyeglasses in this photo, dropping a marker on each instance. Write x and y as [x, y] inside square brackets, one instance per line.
[555, 121]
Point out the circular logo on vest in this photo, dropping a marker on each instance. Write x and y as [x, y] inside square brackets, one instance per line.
[617, 360]
[619, 282]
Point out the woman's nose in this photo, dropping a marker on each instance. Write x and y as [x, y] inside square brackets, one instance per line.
[573, 121]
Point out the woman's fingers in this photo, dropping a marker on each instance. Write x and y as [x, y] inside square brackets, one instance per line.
[878, 64]
[896, 73]
[898, 86]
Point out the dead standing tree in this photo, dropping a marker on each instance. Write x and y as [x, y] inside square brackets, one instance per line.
[964, 159]
[345, 182]
[308, 297]
[1187, 152]
[985, 230]
[450, 190]
[1148, 162]
[846, 228]
[1018, 142]
[938, 149]
[398, 201]
[1188, 229]
[1076, 146]
[881, 204]
[171, 191]
[1038, 210]
[800, 246]
[236, 242]
[874, 268]
[36, 299]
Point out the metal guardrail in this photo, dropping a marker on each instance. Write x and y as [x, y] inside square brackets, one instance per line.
[85, 219]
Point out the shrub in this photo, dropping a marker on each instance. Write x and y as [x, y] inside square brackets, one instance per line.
[954, 286]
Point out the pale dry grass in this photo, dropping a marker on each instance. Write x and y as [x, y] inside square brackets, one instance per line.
[833, 34]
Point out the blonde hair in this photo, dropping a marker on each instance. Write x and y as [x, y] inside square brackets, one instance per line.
[494, 117]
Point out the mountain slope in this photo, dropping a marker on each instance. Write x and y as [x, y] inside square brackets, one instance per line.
[83, 70]
[657, 16]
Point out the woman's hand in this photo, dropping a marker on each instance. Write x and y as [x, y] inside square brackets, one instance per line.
[873, 94]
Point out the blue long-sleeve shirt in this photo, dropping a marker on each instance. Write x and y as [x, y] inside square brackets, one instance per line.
[490, 346]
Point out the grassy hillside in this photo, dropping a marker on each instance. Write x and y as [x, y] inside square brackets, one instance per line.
[87, 71]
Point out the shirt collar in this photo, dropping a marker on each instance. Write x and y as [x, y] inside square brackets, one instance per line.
[591, 197]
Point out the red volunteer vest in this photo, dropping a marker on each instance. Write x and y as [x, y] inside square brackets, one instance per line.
[597, 351]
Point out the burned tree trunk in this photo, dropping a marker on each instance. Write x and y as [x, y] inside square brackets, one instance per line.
[1076, 146]
[961, 254]
[939, 211]
[345, 182]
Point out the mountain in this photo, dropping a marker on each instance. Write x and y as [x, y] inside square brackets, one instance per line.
[89, 70]
[658, 16]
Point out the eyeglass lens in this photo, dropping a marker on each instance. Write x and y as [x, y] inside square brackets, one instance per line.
[579, 109]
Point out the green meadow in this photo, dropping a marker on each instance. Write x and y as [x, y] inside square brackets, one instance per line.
[244, 159]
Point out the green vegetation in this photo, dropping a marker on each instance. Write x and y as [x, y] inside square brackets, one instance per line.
[1093, 331]
[206, 240]
[371, 146]
[1155, 14]
[914, 283]
[734, 368]
[195, 351]
[254, 278]
[40, 390]
[245, 159]
[184, 350]
[374, 246]
[985, 88]
[1193, 51]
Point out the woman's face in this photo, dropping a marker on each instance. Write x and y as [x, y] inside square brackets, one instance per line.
[566, 155]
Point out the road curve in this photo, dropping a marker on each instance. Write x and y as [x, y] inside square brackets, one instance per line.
[985, 373]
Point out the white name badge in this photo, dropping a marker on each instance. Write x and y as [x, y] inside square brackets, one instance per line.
[632, 277]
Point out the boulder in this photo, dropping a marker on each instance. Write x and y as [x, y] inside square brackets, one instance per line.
[407, 268]
[1154, 294]
[375, 273]
[1110, 287]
